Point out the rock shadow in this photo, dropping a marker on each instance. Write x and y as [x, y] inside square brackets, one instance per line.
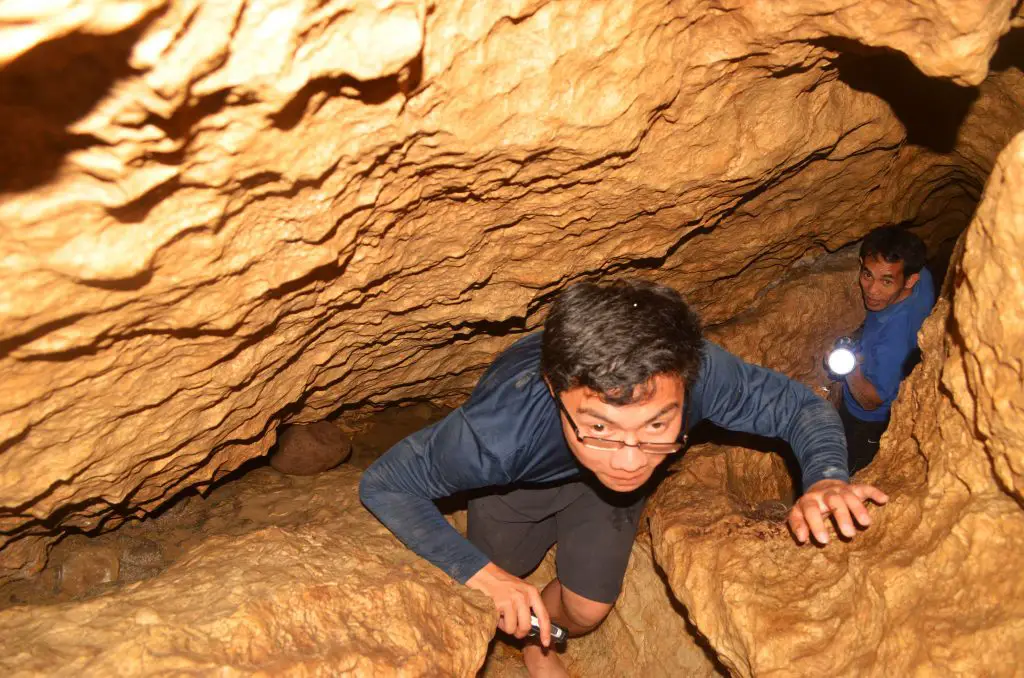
[374, 92]
[47, 89]
[931, 109]
[1010, 53]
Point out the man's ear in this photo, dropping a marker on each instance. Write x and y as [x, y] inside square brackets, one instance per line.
[911, 281]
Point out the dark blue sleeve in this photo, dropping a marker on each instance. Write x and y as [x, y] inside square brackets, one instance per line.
[883, 362]
[739, 396]
[399, 488]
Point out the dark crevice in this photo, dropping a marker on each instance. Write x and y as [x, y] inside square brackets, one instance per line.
[931, 109]
[136, 211]
[107, 339]
[373, 92]
[14, 342]
[1010, 53]
[180, 125]
[135, 282]
[699, 639]
[49, 87]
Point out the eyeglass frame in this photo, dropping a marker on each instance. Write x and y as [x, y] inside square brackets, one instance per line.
[622, 443]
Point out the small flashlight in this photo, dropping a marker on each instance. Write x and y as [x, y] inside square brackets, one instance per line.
[558, 634]
[841, 359]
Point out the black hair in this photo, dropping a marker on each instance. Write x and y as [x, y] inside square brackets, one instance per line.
[895, 244]
[614, 337]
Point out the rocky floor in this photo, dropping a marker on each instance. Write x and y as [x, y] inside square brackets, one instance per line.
[144, 565]
[82, 566]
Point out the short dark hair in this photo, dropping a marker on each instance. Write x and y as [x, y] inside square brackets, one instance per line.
[895, 244]
[613, 337]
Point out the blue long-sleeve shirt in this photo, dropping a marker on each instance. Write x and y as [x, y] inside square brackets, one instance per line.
[888, 346]
[509, 432]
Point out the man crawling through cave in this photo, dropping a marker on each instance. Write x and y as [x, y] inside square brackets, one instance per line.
[898, 295]
[560, 438]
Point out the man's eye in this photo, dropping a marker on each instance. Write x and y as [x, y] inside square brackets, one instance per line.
[887, 283]
[657, 426]
[597, 428]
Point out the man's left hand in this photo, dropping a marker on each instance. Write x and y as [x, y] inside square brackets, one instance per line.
[843, 501]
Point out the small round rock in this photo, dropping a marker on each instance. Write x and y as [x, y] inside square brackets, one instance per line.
[308, 449]
[87, 567]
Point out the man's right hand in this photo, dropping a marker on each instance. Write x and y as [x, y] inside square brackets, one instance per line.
[835, 393]
[514, 599]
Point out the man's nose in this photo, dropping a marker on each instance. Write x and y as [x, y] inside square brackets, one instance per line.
[629, 459]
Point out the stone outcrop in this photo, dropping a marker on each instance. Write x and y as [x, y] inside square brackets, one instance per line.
[308, 449]
[300, 582]
[646, 634]
[934, 585]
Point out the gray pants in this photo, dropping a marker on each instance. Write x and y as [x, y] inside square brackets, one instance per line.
[593, 526]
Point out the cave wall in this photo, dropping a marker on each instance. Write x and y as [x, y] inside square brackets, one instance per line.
[933, 587]
[221, 217]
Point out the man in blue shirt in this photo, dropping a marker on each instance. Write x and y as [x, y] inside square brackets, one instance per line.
[898, 294]
[560, 438]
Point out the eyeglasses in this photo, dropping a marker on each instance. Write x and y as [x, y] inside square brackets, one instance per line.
[608, 445]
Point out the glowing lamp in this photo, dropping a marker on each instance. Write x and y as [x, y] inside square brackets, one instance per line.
[842, 359]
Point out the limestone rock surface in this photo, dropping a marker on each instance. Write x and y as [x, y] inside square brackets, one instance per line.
[646, 634]
[314, 586]
[933, 587]
[222, 217]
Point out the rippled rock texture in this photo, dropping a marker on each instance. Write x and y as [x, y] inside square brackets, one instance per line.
[934, 586]
[219, 218]
[293, 578]
[222, 217]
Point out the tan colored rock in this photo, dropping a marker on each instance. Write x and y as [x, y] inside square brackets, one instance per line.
[308, 449]
[381, 430]
[988, 313]
[317, 588]
[934, 586]
[219, 212]
[646, 634]
[86, 568]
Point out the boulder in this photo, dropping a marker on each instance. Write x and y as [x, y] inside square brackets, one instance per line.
[308, 449]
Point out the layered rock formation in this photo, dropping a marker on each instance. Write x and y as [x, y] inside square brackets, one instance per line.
[300, 582]
[220, 217]
[934, 586]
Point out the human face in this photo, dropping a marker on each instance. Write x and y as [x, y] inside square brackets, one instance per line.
[883, 284]
[656, 419]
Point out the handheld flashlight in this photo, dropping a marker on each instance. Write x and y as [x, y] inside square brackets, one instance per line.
[842, 359]
[558, 634]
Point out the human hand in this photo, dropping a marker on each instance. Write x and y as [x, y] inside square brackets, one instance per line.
[835, 393]
[843, 501]
[514, 599]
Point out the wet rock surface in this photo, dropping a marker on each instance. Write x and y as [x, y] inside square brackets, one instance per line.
[86, 569]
